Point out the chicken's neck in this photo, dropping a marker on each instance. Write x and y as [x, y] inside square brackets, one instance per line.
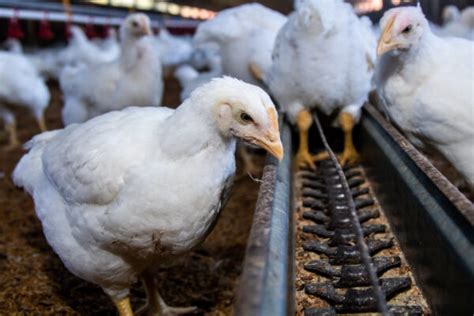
[417, 62]
[132, 50]
[197, 132]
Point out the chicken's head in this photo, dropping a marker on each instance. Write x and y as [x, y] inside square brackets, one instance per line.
[402, 28]
[136, 25]
[246, 112]
[450, 14]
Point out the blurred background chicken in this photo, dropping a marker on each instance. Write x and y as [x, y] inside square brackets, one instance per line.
[130, 191]
[190, 78]
[322, 40]
[20, 85]
[245, 36]
[133, 79]
[173, 50]
[426, 84]
[457, 24]
[80, 51]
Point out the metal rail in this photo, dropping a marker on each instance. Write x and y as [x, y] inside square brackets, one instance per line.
[267, 277]
[82, 14]
[432, 220]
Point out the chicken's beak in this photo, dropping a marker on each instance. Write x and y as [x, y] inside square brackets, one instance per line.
[275, 147]
[271, 141]
[385, 43]
[147, 30]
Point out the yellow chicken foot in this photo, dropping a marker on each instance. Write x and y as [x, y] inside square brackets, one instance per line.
[155, 305]
[256, 72]
[321, 156]
[303, 157]
[42, 124]
[349, 155]
[123, 307]
[10, 128]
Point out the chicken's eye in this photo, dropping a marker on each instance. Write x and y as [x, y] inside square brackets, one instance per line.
[245, 118]
[407, 29]
[134, 23]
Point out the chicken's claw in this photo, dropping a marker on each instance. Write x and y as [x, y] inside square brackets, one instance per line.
[349, 157]
[304, 159]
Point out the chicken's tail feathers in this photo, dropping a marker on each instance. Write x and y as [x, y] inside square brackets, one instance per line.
[28, 171]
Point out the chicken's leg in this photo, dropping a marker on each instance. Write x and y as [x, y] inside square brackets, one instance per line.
[256, 71]
[123, 307]
[303, 157]
[11, 130]
[10, 127]
[349, 155]
[156, 306]
[42, 124]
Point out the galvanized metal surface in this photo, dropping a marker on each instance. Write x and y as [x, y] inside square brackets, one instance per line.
[432, 220]
[267, 279]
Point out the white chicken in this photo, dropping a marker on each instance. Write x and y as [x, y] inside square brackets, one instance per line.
[426, 84]
[133, 79]
[83, 51]
[323, 58]
[173, 50]
[190, 79]
[245, 36]
[459, 26]
[129, 191]
[450, 14]
[13, 46]
[50, 62]
[21, 85]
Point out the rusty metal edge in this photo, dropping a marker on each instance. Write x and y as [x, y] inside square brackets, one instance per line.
[266, 277]
[436, 238]
[451, 192]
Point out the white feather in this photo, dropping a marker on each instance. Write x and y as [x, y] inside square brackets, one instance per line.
[428, 92]
[121, 193]
[133, 79]
[245, 35]
[322, 58]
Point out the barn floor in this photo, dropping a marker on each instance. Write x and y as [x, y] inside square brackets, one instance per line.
[35, 282]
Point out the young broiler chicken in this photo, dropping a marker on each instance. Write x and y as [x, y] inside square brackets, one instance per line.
[245, 36]
[131, 190]
[426, 84]
[83, 51]
[133, 79]
[190, 79]
[460, 26]
[173, 50]
[13, 45]
[20, 85]
[323, 58]
[79, 52]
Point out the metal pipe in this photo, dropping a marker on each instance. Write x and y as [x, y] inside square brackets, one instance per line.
[29, 11]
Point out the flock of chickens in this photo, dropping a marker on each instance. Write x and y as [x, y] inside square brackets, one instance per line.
[128, 185]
